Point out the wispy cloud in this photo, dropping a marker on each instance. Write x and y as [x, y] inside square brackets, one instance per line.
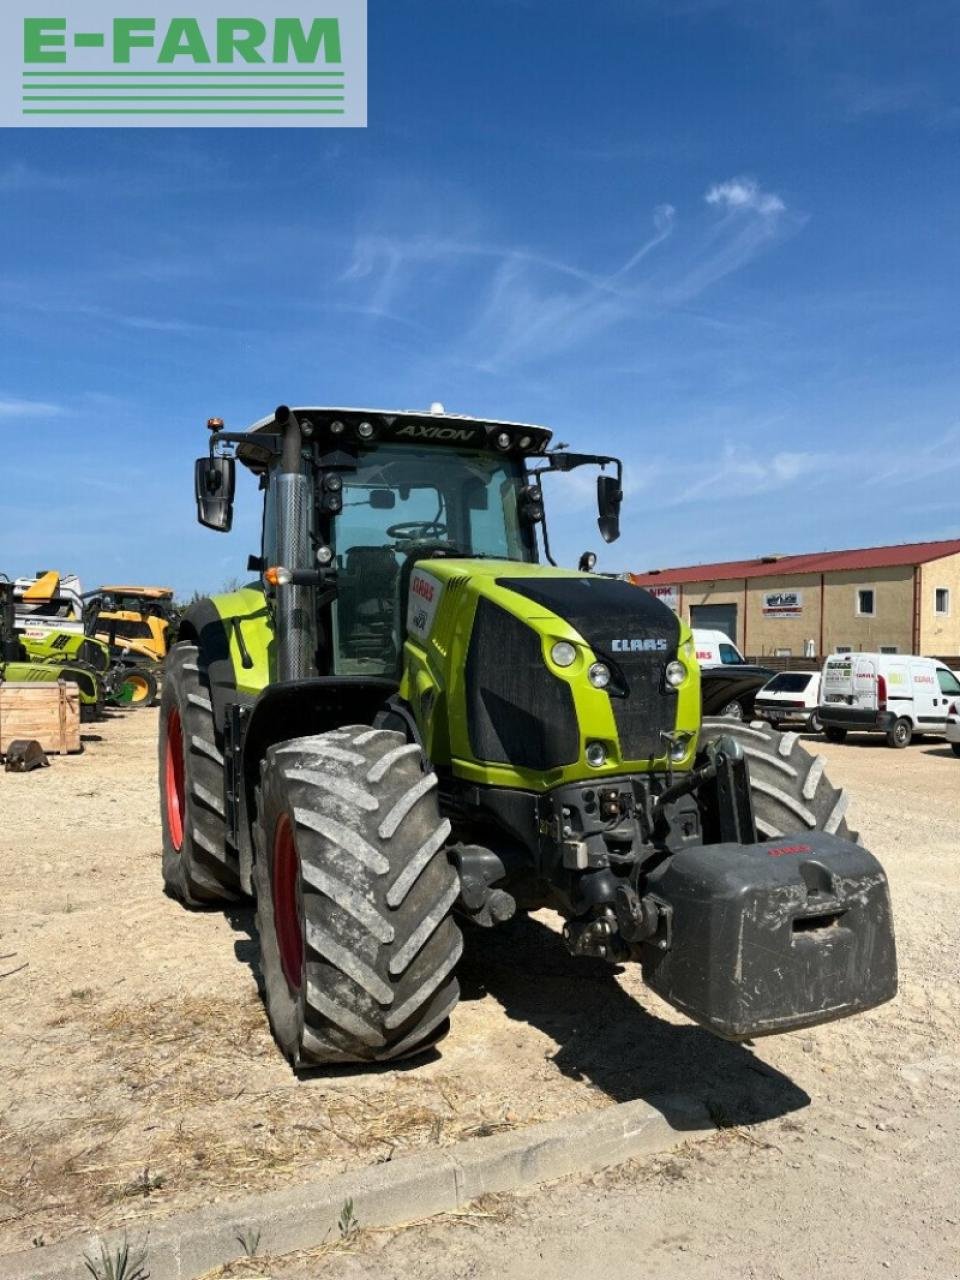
[14, 408]
[751, 220]
[740, 472]
[664, 216]
[937, 457]
[744, 193]
[526, 306]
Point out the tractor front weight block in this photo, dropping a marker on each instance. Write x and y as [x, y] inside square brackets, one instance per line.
[757, 939]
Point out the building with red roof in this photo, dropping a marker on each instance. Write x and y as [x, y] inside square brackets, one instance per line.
[903, 598]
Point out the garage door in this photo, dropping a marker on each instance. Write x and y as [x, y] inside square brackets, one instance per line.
[715, 617]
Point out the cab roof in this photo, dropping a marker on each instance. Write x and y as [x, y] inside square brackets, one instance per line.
[402, 426]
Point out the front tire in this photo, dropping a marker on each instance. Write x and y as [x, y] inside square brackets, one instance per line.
[900, 733]
[791, 793]
[354, 899]
[199, 865]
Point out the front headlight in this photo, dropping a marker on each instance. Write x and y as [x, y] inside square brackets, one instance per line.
[599, 675]
[675, 674]
[563, 653]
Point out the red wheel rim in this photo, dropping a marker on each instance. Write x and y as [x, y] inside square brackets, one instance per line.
[286, 913]
[173, 779]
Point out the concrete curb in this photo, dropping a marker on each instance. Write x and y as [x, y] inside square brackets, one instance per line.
[415, 1186]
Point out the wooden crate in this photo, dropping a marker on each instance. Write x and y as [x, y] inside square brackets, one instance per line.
[47, 711]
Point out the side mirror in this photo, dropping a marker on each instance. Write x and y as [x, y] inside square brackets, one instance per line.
[587, 562]
[609, 498]
[214, 482]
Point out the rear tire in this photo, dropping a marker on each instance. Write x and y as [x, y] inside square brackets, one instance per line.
[199, 866]
[833, 734]
[955, 748]
[814, 724]
[791, 792]
[354, 898]
[900, 733]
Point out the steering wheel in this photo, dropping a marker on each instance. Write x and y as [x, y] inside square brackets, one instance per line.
[415, 530]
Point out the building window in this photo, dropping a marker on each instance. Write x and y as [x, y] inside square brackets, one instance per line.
[942, 601]
[866, 602]
[843, 648]
[889, 648]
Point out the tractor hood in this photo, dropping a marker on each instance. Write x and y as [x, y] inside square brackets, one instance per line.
[538, 665]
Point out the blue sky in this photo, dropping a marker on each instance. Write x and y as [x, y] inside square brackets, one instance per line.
[720, 237]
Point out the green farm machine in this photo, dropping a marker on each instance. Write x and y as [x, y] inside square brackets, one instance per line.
[54, 623]
[412, 723]
[22, 662]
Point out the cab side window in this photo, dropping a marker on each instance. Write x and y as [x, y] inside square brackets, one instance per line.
[949, 684]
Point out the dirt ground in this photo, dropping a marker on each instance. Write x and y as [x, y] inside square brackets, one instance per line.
[138, 1076]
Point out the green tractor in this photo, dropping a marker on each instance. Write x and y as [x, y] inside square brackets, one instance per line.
[51, 627]
[19, 664]
[410, 724]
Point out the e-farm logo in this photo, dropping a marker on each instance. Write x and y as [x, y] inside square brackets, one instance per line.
[147, 64]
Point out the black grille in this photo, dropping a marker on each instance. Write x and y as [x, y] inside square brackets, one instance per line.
[518, 712]
[647, 710]
[612, 616]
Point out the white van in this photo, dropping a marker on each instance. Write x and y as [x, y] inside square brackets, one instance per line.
[891, 693]
[716, 649]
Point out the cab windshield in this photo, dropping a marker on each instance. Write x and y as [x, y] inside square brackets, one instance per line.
[403, 503]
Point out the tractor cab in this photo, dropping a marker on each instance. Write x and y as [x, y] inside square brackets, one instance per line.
[133, 620]
[405, 503]
[377, 492]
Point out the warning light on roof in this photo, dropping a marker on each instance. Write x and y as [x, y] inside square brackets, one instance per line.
[215, 424]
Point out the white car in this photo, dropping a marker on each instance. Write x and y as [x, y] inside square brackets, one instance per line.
[953, 727]
[792, 696]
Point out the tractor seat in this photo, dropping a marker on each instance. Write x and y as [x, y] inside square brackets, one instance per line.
[366, 595]
[374, 570]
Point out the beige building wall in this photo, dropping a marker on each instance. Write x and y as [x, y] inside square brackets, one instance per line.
[940, 633]
[892, 621]
[767, 633]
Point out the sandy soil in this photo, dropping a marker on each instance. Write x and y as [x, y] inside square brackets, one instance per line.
[138, 1076]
